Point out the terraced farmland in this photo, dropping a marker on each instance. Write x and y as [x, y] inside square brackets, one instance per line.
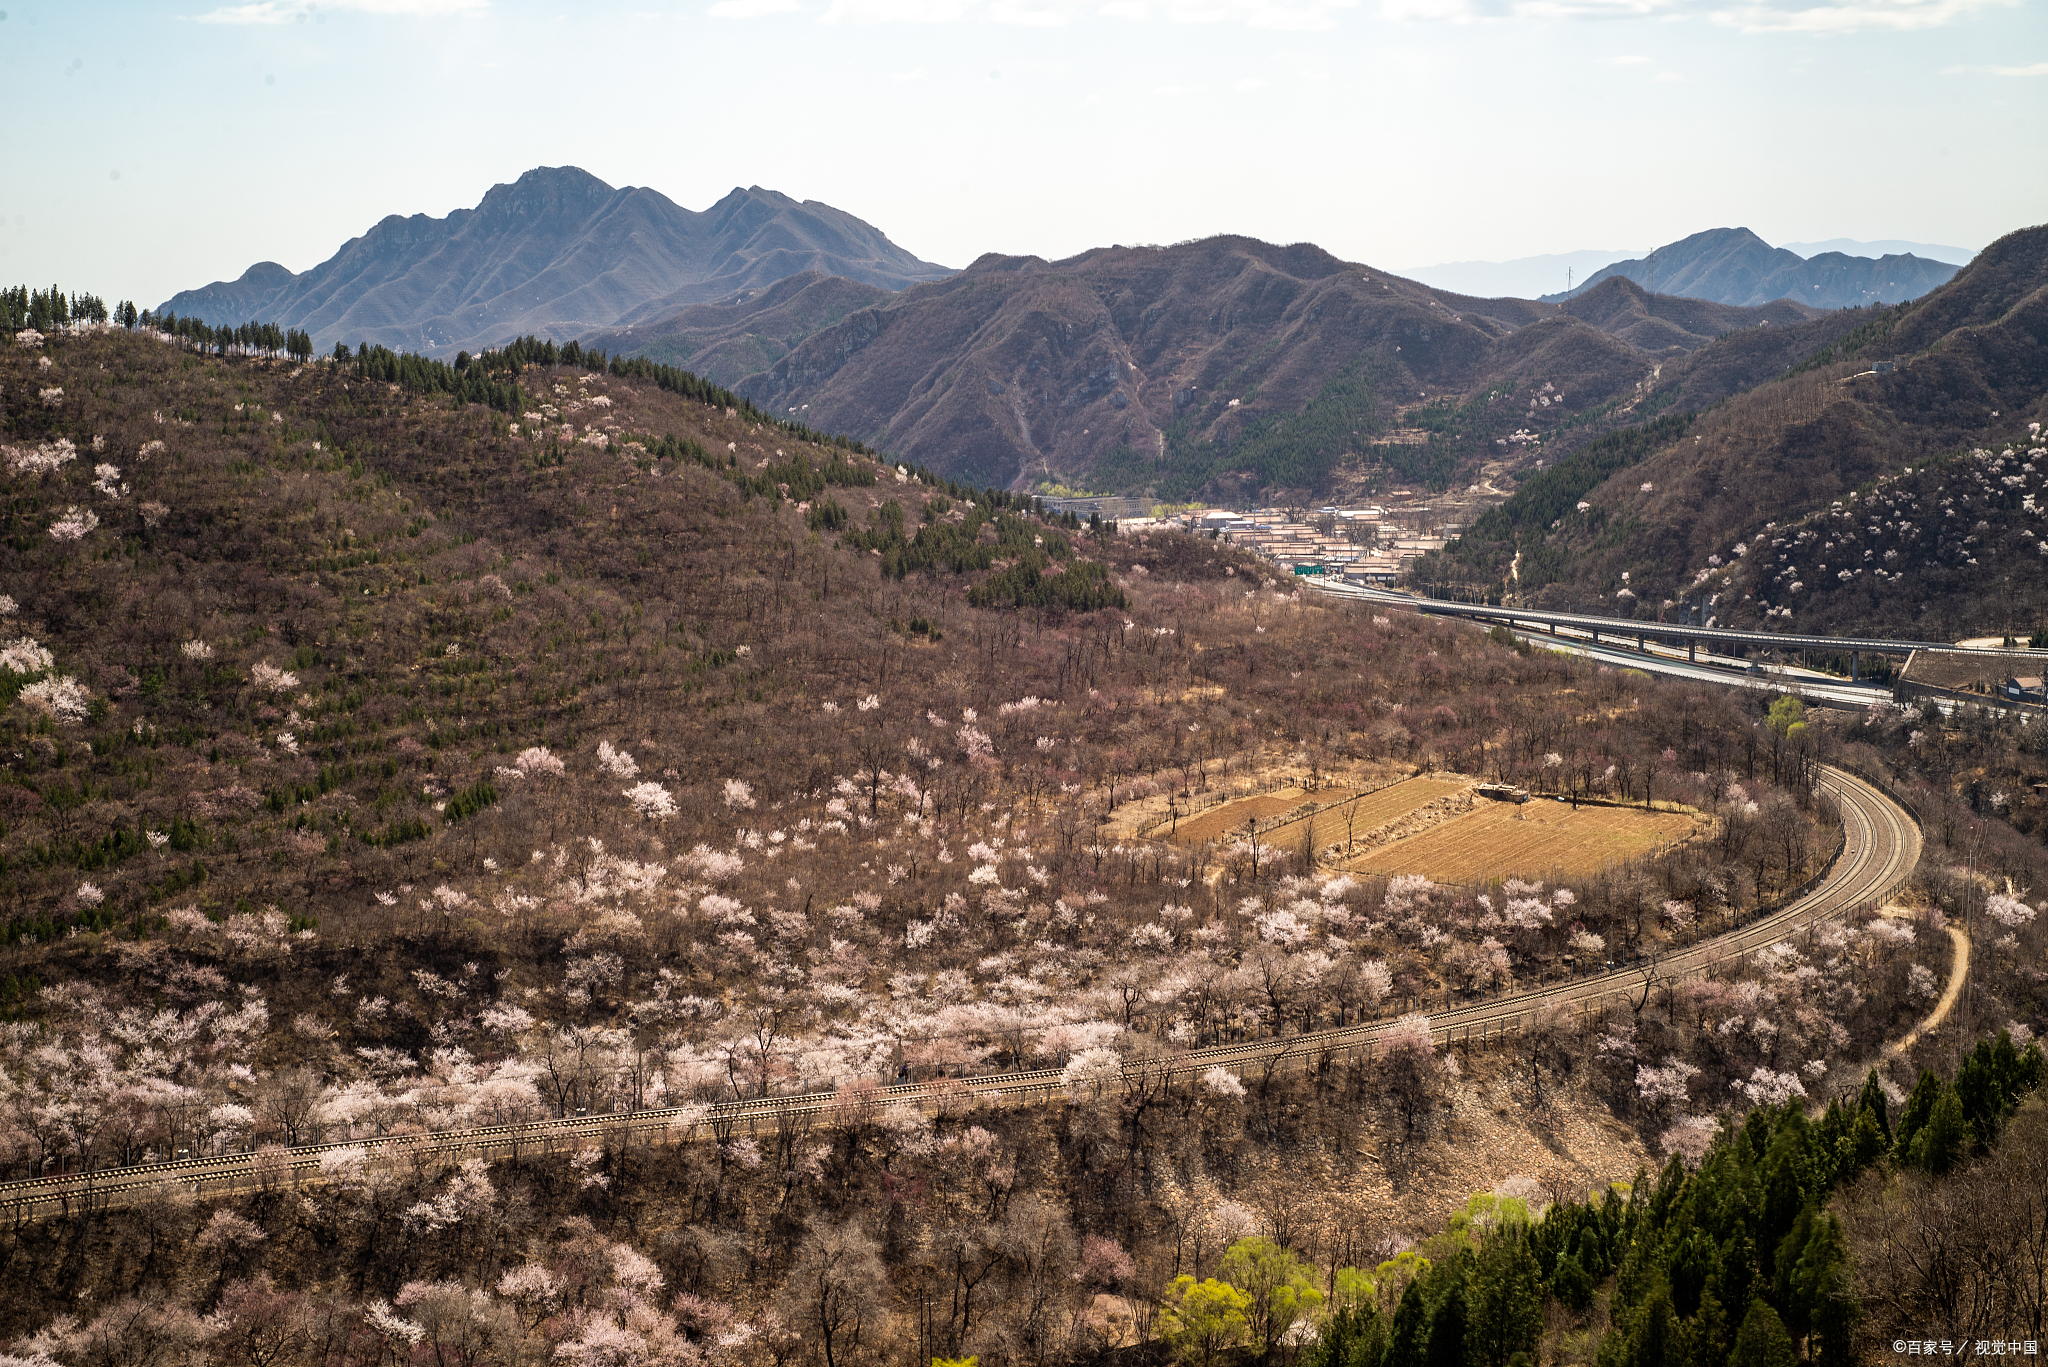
[1349, 821]
[1541, 838]
[1227, 821]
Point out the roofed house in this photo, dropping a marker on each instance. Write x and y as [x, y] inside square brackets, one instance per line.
[1995, 677]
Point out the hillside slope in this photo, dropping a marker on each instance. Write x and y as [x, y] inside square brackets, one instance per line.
[1735, 266]
[557, 253]
[1229, 367]
[1671, 512]
[375, 763]
[729, 339]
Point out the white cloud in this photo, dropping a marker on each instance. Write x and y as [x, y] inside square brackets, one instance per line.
[290, 11]
[263, 12]
[1033, 13]
[1267, 14]
[2037, 69]
[1851, 16]
[1757, 16]
[1483, 11]
[896, 12]
[750, 9]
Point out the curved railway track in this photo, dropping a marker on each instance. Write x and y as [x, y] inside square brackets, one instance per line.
[1881, 845]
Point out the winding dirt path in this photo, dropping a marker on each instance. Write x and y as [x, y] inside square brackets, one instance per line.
[1958, 974]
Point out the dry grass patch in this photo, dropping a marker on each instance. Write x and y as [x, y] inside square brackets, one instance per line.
[1540, 837]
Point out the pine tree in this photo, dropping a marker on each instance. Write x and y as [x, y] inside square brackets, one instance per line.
[1506, 1304]
[1707, 1339]
[1919, 1106]
[1762, 1340]
[1945, 1139]
[1692, 1265]
[1448, 1328]
[1737, 1276]
[1356, 1336]
[1571, 1284]
[1863, 1145]
[1410, 1333]
[1655, 1337]
[1786, 1186]
[1819, 1304]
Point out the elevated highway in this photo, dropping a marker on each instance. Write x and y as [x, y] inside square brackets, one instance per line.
[1594, 624]
[1880, 847]
[1811, 686]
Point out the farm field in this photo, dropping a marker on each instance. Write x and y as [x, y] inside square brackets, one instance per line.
[1540, 838]
[1220, 823]
[1340, 824]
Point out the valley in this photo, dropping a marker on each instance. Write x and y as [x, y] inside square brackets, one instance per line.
[689, 845]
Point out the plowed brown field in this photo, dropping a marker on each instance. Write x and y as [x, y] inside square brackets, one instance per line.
[1353, 819]
[1536, 838]
[1227, 821]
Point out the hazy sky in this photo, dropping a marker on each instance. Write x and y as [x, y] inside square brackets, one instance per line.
[152, 147]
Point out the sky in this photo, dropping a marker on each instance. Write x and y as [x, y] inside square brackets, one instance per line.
[153, 147]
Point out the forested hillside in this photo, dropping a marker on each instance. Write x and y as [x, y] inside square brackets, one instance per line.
[393, 748]
[1919, 403]
[1228, 369]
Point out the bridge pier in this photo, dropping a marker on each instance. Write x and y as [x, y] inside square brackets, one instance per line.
[1855, 658]
[1692, 651]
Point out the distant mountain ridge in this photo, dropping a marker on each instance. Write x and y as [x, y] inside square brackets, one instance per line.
[729, 339]
[1735, 266]
[1229, 367]
[1531, 277]
[1888, 246]
[1525, 277]
[1817, 497]
[558, 253]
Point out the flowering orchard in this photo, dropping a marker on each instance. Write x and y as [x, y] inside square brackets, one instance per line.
[408, 772]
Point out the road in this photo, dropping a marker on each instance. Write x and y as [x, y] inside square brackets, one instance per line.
[1881, 845]
[1805, 684]
[1628, 626]
[1958, 975]
[1808, 684]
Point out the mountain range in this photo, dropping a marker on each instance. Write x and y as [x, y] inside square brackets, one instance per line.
[1530, 277]
[1877, 480]
[557, 253]
[1222, 368]
[1889, 246]
[1735, 266]
[1225, 369]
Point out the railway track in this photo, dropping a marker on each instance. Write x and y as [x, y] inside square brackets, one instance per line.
[1880, 847]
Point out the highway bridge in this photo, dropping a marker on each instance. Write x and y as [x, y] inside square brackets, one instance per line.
[1810, 685]
[1880, 847]
[1624, 627]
